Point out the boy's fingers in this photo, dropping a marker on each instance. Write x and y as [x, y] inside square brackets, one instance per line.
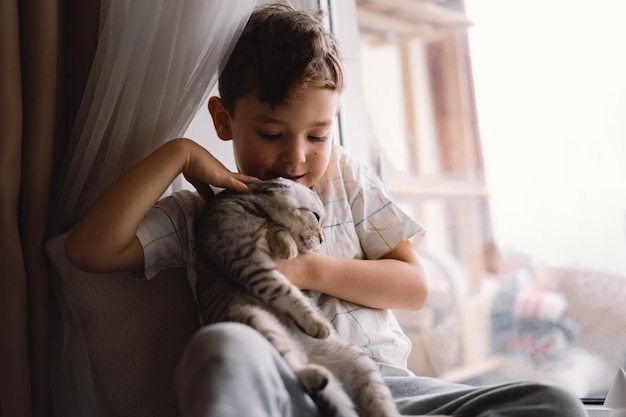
[239, 183]
[247, 179]
[204, 190]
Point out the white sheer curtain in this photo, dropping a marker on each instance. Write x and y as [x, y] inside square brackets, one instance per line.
[155, 64]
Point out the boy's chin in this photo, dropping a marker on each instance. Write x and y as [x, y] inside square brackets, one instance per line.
[304, 179]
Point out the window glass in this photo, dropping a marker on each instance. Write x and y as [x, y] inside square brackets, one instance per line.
[506, 138]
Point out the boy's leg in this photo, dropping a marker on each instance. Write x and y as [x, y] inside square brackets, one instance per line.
[524, 399]
[228, 369]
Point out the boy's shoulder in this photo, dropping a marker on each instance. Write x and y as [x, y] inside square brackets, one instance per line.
[184, 202]
[344, 161]
[182, 197]
[350, 169]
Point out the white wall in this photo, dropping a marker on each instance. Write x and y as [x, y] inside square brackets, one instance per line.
[202, 131]
[356, 127]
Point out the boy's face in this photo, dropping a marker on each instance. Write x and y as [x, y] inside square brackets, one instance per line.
[293, 140]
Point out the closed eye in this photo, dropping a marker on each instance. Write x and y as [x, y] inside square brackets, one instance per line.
[318, 138]
[317, 216]
[268, 136]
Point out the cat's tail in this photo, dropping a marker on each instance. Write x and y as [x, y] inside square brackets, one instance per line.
[332, 401]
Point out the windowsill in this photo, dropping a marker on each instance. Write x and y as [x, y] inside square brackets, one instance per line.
[597, 410]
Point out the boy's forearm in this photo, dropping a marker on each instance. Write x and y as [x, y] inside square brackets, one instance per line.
[105, 239]
[382, 283]
[397, 281]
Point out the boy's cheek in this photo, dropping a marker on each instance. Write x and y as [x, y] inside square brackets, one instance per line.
[253, 167]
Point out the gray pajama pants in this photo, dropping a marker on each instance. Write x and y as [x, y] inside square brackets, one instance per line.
[229, 370]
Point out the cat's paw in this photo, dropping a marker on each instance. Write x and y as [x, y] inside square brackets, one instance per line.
[282, 245]
[315, 326]
[313, 378]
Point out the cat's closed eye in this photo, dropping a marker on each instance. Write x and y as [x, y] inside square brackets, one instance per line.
[318, 217]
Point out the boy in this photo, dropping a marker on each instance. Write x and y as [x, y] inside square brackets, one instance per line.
[279, 95]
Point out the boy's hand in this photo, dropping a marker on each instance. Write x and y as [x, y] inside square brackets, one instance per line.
[297, 269]
[202, 169]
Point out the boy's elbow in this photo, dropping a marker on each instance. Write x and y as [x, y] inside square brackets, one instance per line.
[425, 296]
[420, 288]
[77, 253]
[419, 297]
[86, 254]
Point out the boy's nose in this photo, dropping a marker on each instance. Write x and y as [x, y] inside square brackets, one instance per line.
[294, 154]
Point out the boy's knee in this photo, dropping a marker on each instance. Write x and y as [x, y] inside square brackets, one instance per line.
[563, 401]
[553, 400]
[222, 335]
[223, 342]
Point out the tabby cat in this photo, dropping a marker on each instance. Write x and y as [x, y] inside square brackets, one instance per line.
[237, 281]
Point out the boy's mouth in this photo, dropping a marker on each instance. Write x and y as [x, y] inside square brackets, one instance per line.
[295, 178]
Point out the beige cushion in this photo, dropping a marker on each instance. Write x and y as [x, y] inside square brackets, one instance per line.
[117, 339]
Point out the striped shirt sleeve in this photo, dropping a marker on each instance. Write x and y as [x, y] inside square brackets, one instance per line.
[380, 224]
[166, 232]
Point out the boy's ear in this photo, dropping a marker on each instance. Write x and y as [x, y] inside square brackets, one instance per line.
[221, 118]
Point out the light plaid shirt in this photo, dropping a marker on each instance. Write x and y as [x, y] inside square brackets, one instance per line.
[361, 222]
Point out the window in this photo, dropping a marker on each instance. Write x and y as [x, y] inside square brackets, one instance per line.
[504, 135]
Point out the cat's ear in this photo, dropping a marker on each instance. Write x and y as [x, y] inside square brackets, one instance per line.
[221, 118]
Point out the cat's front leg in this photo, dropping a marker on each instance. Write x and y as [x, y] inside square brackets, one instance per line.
[312, 378]
[300, 309]
[274, 289]
[281, 243]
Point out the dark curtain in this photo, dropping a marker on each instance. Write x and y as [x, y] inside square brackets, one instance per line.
[46, 50]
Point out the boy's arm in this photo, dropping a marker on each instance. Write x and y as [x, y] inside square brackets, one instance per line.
[396, 280]
[104, 240]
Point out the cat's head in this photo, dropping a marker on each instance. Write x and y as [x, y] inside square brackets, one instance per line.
[296, 206]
